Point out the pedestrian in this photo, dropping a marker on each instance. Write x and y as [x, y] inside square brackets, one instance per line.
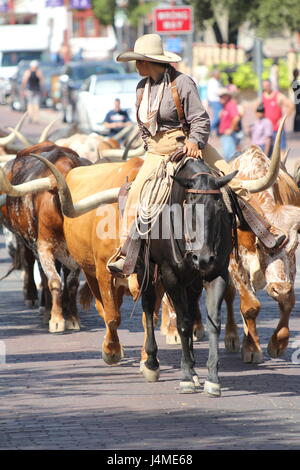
[261, 131]
[32, 85]
[229, 124]
[213, 99]
[296, 91]
[116, 119]
[276, 105]
[171, 118]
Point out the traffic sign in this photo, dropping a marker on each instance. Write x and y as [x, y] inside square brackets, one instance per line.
[173, 20]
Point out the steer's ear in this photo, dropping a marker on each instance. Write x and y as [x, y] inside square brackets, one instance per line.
[186, 183]
[220, 182]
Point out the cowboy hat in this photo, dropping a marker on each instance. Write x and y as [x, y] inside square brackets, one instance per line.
[149, 47]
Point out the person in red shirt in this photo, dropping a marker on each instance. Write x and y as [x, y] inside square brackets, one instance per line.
[229, 124]
[276, 105]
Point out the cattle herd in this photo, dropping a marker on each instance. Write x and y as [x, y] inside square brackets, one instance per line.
[50, 195]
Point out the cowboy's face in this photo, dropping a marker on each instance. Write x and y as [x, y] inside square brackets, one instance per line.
[142, 67]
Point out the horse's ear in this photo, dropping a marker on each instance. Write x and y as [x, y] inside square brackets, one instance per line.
[186, 183]
[220, 182]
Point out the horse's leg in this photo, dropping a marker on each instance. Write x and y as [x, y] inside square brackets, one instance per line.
[198, 329]
[185, 322]
[214, 295]
[149, 366]
[159, 295]
[232, 340]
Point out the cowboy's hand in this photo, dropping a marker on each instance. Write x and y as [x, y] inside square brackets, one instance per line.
[191, 149]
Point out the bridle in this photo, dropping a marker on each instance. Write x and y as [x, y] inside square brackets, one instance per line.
[189, 243]
[202, 191]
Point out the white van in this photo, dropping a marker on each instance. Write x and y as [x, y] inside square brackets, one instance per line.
[20, 42]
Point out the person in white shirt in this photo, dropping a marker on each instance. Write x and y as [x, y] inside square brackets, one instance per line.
[213, 98]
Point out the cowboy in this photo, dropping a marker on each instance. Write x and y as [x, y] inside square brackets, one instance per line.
[170, 115]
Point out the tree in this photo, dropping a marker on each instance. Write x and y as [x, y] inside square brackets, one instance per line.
[266, 16]
[105, 11]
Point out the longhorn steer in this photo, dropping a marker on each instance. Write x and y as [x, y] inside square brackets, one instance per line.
[37, 219]
[259, 267]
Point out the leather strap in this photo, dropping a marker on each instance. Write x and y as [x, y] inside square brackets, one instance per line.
[257, 223]
[177, 101]
[203, 191]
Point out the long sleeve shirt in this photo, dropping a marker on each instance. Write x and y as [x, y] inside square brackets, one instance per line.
[195, 114]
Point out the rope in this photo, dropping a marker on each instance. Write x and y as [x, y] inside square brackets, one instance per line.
[154, 195]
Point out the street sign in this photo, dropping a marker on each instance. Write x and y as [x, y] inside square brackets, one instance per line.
[177, 20]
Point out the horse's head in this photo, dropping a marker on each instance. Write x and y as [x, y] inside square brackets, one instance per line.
[207, 224]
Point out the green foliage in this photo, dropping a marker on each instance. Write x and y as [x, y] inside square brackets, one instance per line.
[245, 78]
[138, 11]
[104, 11]
[266, 16]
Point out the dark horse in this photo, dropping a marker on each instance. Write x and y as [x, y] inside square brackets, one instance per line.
[185, 264]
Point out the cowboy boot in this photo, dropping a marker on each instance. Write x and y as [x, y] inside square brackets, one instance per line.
[124, 261]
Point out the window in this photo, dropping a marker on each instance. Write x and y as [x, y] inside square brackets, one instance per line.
[85, 24]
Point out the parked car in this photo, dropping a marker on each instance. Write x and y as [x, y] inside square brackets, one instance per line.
[72, 78]
[50, 70]
[97, 96]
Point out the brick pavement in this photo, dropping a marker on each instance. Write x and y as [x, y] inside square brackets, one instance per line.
[57, 393]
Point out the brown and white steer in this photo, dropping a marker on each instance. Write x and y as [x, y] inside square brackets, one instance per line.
[36, 218]
[259, 267]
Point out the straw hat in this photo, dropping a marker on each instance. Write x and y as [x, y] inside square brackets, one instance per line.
[149, 47]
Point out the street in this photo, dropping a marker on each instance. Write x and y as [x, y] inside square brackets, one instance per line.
[57, 392]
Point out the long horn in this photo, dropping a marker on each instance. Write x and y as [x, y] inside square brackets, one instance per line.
[120, 152]
[46, 131]
[123, 132]
[20, 136]
[87, 204]
[260, 184]
[285, 157]
[41, 184]
[10, 137]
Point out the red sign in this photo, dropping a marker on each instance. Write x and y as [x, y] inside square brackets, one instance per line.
[173, 20]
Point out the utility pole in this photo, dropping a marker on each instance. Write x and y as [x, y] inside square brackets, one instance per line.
[258, 63]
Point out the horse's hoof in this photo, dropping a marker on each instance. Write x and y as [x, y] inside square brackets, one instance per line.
[212, 389]
[57, 326]
[173, 339]
[112, 359]
[252, 357]
[187, 387]
[149, 374]
[73, 324]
